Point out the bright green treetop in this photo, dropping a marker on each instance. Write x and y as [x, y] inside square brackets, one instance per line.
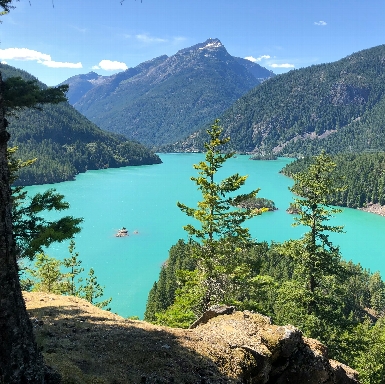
[73, 263]
[216, 212]
[220, 241]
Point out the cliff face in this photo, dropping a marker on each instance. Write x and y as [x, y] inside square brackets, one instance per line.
[88, 345]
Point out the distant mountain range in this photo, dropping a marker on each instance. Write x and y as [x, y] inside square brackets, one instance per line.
[338, 106]
[167, 98]
[65, 143]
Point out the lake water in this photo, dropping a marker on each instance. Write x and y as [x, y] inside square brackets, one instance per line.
[144, 199]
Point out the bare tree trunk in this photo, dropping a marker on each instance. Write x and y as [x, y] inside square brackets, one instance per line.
[20, 360]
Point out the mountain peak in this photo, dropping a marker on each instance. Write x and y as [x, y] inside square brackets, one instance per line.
[211, 44]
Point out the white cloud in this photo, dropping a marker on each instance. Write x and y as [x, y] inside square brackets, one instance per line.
[144, 38]
[59, 64]
[285, 65]
[23, 54]
[3, 62]
[109, 65]
[320, 23]
[255, 60]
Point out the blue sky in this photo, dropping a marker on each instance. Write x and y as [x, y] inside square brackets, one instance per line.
[57, 39]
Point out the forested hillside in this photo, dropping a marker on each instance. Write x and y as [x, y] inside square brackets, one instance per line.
[304, 282]
[363, 174]
[65, 142]
[168, 98]
[344, 322]
[338, 106]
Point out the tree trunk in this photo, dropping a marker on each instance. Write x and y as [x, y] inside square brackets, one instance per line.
[20, 360]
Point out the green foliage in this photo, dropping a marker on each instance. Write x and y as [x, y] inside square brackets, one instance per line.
[93, 290]
[19, 93]
[162, 294]
[47, 276]
[63, 142]
[363, 174]
[6, 5]
[215, 212]
[187, 305]
[73, 263]
[370, 360]
[273, 286]
[319, 257]
[31, 230]
[221, 238]
[255, 203]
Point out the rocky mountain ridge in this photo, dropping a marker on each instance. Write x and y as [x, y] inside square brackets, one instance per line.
[167, 98]
[337, 106]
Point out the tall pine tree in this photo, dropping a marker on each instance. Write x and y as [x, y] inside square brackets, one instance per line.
[220, 238]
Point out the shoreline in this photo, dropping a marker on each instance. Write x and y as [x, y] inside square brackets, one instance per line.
[374, 208]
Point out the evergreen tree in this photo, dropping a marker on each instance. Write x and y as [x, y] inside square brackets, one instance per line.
[370, 359]
[220, 241]
[93, 290]
[46, 275]
[19, 94]
[17, 347]
[313, 186]
[216, 213]
[31, 230]
[74, 264]
[20, 359]
[315, 299]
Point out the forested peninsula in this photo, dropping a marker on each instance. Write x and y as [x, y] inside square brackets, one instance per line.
[65, 143]
[363, 175]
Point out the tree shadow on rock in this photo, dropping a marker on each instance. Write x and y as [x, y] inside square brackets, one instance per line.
[88, 345]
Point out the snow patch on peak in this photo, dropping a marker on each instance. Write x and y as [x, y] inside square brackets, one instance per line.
[212, 44]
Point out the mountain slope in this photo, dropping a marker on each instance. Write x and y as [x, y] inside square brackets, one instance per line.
[339, 105]
[79, 85]
[170, 97]
[259, 72]
[66, 143]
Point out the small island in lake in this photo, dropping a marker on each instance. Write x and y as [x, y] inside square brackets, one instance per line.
[122, 232]
[255, 203]
[293, 209]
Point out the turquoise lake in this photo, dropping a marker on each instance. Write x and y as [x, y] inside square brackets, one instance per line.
[143, 199]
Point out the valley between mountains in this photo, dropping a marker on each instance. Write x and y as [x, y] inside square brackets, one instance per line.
[166, 105]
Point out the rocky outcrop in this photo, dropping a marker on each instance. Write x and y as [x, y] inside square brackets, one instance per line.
[374, 208]
[88, 345]
[248, 347]
[214, 311]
